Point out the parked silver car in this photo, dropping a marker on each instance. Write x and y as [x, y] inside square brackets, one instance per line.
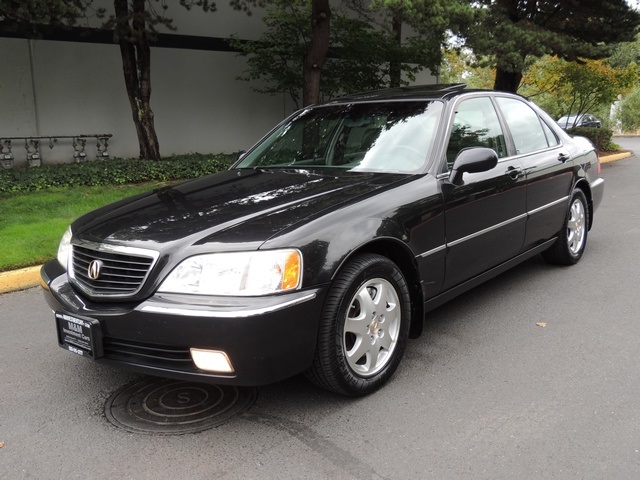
[583, 120]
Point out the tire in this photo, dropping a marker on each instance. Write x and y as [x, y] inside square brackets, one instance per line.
[360, 340]
[572, 240]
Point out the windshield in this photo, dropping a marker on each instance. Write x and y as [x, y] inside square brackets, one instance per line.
[569, 119]
[373, 137]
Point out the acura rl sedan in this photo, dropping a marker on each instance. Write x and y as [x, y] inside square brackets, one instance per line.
[323, 248]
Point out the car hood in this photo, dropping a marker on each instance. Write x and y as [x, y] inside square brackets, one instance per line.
[235, 207]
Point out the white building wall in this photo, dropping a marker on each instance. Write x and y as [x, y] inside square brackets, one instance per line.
[17, 105]
[50, 88]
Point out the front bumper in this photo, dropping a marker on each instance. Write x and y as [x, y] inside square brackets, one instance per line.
[266, 338]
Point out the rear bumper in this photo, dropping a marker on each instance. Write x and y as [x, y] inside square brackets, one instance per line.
[597, 192]
[267, 339]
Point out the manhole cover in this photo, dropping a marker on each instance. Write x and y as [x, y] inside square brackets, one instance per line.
[173, 407]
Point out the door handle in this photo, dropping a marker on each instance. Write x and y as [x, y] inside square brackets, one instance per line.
[513, 172]
[563, 157]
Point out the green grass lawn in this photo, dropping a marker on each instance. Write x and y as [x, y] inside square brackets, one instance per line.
[32, 224]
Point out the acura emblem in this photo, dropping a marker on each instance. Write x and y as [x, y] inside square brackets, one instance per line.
[94, 269]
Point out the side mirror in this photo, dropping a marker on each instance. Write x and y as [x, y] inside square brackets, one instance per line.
[472, 160]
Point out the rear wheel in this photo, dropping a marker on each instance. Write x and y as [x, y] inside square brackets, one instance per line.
[572, 240]
[364, 327]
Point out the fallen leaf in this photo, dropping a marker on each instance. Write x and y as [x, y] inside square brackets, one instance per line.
[541, 324]
[1, 444]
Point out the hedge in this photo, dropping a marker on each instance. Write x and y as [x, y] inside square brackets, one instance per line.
[600, 137]
[113, 171]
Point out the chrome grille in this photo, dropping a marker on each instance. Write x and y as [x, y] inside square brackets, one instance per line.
[123, 270]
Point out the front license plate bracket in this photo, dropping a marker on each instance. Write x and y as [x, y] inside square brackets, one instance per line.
[79, 335]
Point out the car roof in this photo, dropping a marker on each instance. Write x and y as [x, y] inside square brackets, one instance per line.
[418, 92]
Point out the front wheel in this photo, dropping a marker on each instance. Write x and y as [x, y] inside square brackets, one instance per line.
[572, 240]
[363, 328]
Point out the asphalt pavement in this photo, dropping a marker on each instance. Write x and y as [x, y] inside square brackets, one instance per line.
[533, 375]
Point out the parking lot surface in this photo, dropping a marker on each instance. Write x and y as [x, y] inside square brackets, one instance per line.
[531, 375]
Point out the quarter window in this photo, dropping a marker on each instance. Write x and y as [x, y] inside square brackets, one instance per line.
[552, 138]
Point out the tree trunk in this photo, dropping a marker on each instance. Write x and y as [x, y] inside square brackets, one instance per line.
[507, 81]
[136, 65]
[395, 68]
[317, 52]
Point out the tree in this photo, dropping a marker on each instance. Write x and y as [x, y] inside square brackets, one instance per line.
[135, 24]
[359, 58]
[433, 20]
[27, 15]
[628, 112]
[510, 32]
[317, 50]
[576, 88]
[626, 53]
[594, 83]
[459, 65]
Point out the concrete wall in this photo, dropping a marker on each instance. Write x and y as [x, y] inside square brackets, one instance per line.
[70, 88]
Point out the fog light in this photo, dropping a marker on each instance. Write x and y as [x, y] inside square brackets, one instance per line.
[211, 360]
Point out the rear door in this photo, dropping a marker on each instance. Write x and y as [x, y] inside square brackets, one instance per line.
[548, 167]
[485, 217]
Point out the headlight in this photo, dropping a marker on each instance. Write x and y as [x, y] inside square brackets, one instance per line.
[64, 249]
[241, 273]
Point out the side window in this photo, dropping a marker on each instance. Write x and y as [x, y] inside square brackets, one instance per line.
[476, 124]
[552, 139]
[524, 124]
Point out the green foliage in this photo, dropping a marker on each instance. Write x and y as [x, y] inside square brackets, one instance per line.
[564, 88]
[114, 171]
[32, 223]
[23, 15]
[512, 31]
[595, 83]
[155, 13]
[360, 57]
[277, 57]
[625, 54]
[600, 137]
[459, 65]
[628, 113]
[433, 19]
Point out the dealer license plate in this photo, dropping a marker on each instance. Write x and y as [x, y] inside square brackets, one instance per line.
[79, 335]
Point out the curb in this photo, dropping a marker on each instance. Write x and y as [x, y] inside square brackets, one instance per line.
[30, 277]
[19, 279]
[614, 157]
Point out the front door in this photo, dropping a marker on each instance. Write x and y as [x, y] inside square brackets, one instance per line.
[485, 217]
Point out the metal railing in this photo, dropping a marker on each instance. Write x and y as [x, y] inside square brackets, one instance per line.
[32, 146]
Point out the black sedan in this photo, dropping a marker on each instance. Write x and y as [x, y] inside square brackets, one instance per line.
[324, 246]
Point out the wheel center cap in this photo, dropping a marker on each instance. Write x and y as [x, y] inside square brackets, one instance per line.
[375, 326]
